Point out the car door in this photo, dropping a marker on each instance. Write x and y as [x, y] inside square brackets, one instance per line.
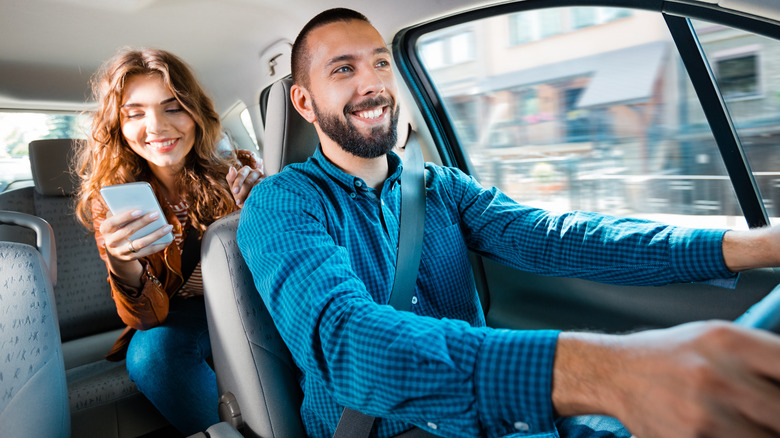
[616, 107]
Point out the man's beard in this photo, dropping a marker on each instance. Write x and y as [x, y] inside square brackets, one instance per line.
[377, 143]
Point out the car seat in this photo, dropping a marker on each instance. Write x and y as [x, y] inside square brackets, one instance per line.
[34, 400]
[256, 376]
[103, 400]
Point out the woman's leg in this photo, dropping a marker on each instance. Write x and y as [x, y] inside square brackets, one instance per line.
[168, 364]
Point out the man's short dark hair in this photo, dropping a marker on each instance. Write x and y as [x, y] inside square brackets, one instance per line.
[300, 54]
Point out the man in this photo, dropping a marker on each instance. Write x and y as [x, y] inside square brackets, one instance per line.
[320, 239]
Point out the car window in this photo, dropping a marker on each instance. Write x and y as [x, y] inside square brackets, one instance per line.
[246, 121]
[590, 108]
[18, 129]
[747, 74]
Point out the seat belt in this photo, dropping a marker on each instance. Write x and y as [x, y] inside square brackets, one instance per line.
[410, 226]
[355, 424]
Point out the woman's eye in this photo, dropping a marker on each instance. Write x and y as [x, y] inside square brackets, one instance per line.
[174, 110]
[134, 115]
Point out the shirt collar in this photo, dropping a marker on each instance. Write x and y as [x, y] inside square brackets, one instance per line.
[394, 163]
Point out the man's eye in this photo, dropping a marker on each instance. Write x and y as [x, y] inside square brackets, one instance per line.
[342, 69]
[383, 63]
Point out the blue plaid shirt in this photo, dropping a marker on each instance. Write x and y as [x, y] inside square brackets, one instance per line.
[322, 249]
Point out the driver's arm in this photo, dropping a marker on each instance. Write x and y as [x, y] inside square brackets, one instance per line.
[712, 379]
[756, 248]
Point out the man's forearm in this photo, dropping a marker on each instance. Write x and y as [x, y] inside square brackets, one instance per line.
[757, 248]
[699, 379]
[582, 374]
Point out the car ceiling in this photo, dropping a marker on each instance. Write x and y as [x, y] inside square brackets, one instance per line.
[50, 48]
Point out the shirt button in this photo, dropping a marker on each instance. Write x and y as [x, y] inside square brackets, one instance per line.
[353, 195]
[358, 183]
[433, 426]
[522, 427]
[414, 299]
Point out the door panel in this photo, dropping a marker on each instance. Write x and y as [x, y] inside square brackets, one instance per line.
[523, 300]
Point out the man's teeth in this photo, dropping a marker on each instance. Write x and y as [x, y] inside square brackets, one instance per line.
[161, 144]
[371, 114]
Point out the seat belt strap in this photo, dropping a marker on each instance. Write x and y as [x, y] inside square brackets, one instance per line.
[355, 424]
[410, 226]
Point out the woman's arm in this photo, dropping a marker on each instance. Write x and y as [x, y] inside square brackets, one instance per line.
[141, 299]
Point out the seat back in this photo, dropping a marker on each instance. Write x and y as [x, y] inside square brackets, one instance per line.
[32, 372]
[83, 295]
[288, 138]
[256, 376]
[252, 363]
[103, 400]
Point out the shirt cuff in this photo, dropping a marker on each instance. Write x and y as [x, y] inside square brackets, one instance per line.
[697, 255]
[514, 382]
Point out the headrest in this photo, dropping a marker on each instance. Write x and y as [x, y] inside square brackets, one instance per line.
[289, 138]
[50, 161]
[44, 237]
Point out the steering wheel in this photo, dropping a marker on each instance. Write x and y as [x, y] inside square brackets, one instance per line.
[765, 314]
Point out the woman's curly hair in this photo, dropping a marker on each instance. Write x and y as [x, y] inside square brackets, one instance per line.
[105, 158]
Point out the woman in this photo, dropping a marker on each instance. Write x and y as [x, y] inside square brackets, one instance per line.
[154, 123]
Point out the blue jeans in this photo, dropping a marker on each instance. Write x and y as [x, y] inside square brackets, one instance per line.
[591, 426]
[168, 364]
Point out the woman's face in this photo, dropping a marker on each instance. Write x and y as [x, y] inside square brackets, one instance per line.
[155, 125]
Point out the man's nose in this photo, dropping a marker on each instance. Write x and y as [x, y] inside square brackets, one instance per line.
[371, 82]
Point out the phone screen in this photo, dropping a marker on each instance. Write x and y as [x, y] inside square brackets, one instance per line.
[136, 196]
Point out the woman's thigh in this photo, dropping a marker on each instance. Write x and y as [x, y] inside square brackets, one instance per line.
[181, 341]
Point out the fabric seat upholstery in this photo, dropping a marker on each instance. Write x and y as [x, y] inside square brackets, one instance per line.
[103, 400]
[34, 398]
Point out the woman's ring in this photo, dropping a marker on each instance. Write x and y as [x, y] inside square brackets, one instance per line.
[130, 246]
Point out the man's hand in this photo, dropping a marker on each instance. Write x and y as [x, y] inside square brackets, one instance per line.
[712, 379]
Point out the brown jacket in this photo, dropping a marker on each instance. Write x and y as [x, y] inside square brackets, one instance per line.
[161, 279]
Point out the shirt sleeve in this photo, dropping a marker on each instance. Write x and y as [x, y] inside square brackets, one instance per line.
[592, 246]
[439, 374]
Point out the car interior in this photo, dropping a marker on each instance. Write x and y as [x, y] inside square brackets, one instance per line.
[664, 110]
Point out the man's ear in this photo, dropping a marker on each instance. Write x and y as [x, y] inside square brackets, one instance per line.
[301, 100]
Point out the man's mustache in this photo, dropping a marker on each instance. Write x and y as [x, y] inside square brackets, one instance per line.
[369, 103]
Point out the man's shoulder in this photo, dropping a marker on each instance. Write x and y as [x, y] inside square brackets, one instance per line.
[296, 178]
[444, 175]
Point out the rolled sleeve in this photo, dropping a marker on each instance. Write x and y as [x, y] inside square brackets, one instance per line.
[697, 255]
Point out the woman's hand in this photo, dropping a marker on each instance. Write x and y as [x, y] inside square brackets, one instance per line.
[116, 231]
[123, 253]
[241, 182]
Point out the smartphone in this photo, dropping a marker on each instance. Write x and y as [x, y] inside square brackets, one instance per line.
[136, 196]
